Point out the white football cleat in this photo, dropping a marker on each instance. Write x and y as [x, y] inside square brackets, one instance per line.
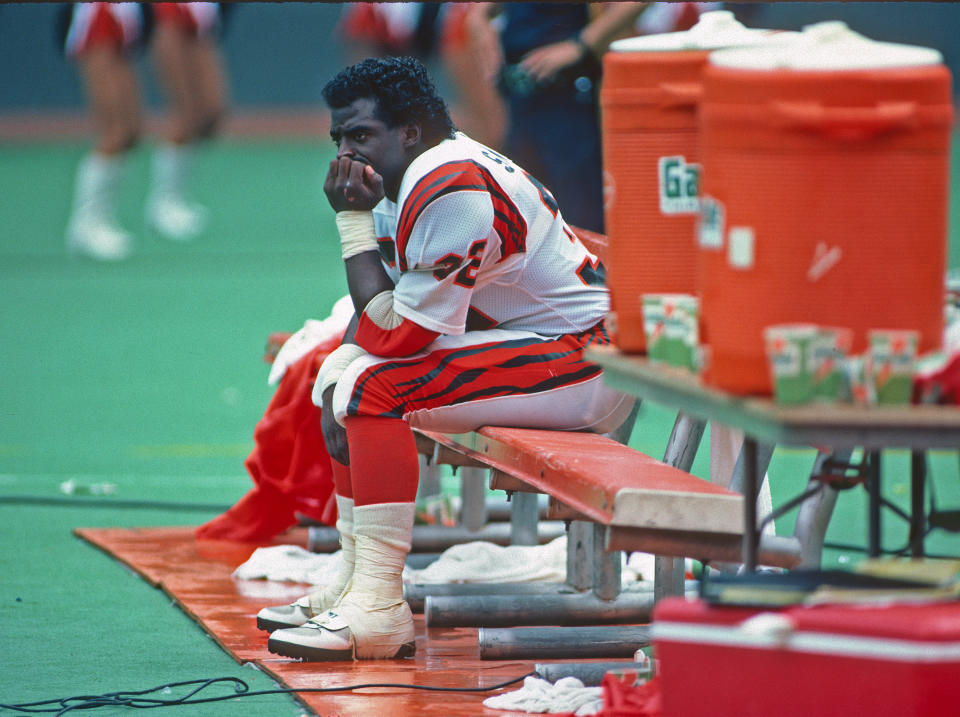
[358, 627]
[371, 620]
[175, 219]
[98, 239]
[282, 617]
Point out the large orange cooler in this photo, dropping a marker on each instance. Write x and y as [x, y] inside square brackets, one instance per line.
[825, 194]
[651, 90]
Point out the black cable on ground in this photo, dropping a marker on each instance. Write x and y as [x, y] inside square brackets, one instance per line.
[139, 699]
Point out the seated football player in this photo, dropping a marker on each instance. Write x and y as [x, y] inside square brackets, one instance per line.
[473, 303]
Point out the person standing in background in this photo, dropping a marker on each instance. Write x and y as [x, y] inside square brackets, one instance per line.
[102, 38]
[547, 66]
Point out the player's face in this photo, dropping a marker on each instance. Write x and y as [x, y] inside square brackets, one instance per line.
[362, 137]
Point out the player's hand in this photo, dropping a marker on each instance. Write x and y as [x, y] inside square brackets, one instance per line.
[545, 62]
[334, 435]
[352, 184]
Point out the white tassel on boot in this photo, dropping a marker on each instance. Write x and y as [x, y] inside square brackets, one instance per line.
[92, 229]
[168, 211]
[371, 620]
[281, 617]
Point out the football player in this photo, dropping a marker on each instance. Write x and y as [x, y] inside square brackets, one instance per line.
[474, 301]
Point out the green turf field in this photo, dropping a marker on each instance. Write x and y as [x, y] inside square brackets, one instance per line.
[147, 376]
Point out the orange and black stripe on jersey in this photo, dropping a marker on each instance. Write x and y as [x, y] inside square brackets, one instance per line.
[514, 367]
[463, 175]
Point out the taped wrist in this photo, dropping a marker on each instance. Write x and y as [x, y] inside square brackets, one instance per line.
[334, 365]
[357, 232]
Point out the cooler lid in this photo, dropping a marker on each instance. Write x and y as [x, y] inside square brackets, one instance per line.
[715, 29]
[826, 46]
[689, 620]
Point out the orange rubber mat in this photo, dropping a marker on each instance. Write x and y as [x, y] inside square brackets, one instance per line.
[197, 575]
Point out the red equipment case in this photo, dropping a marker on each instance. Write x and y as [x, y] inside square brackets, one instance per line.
[894, 660]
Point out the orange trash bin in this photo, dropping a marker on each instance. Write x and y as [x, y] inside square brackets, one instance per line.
[825, 194]
[651, 90]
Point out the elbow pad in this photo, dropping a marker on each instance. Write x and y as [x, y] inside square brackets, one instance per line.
[383, 332]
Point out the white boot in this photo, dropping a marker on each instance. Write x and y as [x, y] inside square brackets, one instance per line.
[92, 229]
[168, 211]
[316, 603]
[371, 620]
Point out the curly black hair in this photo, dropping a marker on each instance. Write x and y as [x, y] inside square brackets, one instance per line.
[403, 92]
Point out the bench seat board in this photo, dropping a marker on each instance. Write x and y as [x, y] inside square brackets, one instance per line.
[604, 480]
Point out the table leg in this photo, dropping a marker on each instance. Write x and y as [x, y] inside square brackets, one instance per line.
[918, 511]
[750, 482]
[685, 438]
[873, 504]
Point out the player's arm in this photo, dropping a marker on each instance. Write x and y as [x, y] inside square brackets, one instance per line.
[334, 435]
[354, 189]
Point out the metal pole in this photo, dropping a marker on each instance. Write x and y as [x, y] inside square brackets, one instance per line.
[918, 510]
[814, 514]
[416, 594]
[589, 673]
[437, 538]
[873, 504]
[532, 643]
[750, 482]
[510, 610]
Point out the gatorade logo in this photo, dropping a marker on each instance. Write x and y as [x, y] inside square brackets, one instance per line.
[824, 260]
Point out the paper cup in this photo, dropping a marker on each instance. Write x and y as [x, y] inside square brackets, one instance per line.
[825, 361]
[890, 363]
[788, 346]
[671, 323]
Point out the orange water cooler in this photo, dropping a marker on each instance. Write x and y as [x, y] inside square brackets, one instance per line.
[825, 194]
[651, 91]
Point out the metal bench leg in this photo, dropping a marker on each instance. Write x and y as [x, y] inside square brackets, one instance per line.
[725, 442]
[685, 438]
[524, 515]
[473, 497]
[607, 566]
[429, 484]
[814, 513]
[580, 555]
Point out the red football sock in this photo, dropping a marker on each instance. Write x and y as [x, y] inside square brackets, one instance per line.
[342, 484]
[383, 460]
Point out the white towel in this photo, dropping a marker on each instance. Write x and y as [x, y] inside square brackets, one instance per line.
[474, 562]
[540, 696]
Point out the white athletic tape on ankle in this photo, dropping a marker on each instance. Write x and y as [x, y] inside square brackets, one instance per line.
[333, 367]
[344, 515]
[391, 523]
[357, 232]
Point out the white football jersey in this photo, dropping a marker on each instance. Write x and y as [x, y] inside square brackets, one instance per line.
[475, 242]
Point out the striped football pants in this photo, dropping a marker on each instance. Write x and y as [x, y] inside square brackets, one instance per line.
[496, 377]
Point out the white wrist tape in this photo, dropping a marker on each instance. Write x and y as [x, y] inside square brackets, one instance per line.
[334, 365]
[357, 232]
